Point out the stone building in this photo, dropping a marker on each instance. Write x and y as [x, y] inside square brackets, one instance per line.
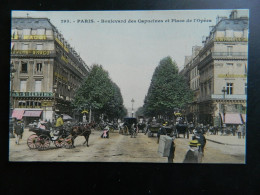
[222, 67]
[48, 70]
[191, 73]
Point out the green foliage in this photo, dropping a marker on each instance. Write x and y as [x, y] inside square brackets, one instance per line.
[100, 93]
[139, 112]
[168, 90]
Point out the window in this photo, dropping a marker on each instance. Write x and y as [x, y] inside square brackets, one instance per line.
[229, 64]
[23, 86]
[40, 31]
[21, 104]
[229, 33]
[229, 88]
[229, 50]
[26, 31]
[24, 67]
[245, 88]
[38, 86]
[39, 67]
[25, 46]
[39, 46]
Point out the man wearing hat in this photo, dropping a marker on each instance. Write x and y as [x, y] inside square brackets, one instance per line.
[193, 155]
[59, 122]
[161, 131]
[172, 151]
[18, 130]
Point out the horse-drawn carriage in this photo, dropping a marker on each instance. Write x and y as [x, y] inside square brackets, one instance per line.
[42, 138]
[153, 128]
[142, 127]
[181, 129]
[125, 130]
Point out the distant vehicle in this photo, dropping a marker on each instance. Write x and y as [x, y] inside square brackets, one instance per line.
[128, 121]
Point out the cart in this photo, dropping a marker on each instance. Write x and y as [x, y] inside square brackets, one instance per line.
[153, 128]
[42, 138]
[125, 130]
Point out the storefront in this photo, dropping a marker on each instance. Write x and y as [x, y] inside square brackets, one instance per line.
[28, 115]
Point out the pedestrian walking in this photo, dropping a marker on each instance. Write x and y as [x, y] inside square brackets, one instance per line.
[18, 130]
[234, 130]
[172, 151]
[239, 131]
[193, 154]
[202, 141]
[243, 131]
[161, 131]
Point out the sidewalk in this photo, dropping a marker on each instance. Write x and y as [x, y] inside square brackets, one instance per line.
[226, 139]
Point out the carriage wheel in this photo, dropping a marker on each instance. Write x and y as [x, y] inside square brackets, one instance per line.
[67, 142]
[31, 141]
[59, 143]
[43, 142]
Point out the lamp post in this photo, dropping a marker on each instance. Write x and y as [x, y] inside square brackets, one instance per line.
[132, 107]
[12, 71]
[54, 96]
[224, 92]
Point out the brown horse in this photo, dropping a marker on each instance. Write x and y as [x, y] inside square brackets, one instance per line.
[81, 129]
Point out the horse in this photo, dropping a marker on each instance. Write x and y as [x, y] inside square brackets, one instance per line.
[81, 129]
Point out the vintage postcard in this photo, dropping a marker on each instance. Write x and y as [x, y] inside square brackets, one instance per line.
[129, 86]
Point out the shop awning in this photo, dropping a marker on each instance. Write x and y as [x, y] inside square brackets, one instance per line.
[17, 114]
[32, 113]
[232, 119]
[244, 117]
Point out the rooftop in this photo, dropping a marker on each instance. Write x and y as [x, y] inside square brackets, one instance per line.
[31, 23]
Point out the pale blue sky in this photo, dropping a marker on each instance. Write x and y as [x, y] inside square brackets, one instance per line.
[130, 52]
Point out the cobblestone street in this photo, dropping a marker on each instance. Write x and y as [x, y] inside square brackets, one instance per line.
[122, 148]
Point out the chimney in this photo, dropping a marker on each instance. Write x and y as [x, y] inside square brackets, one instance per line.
[233, 14]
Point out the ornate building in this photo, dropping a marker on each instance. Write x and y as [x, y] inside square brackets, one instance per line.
[222, 68]
[48, 70]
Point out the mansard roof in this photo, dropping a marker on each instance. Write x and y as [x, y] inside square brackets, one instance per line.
[238, 24]
[31, 23]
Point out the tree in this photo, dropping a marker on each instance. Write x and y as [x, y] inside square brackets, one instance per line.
[168, 90]
[99, 93]
[139, 112]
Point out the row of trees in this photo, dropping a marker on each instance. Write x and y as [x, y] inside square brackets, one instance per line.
[168, 91]
[100, 94]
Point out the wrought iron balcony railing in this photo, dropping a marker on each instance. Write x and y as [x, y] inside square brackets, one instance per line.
[238, 54]
[32, 94]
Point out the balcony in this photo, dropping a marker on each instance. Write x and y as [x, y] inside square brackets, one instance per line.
[220, 97]
[229, 97]
[32, 37]
[229, 54]
[34, 53]
[32, 94]
[223, 56]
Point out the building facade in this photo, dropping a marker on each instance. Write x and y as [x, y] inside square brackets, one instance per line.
[222, 67]
[48, 70]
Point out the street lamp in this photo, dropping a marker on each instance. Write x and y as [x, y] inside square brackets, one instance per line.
[12, 71]
[54, 103]
[132, 107]
[224, 91]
